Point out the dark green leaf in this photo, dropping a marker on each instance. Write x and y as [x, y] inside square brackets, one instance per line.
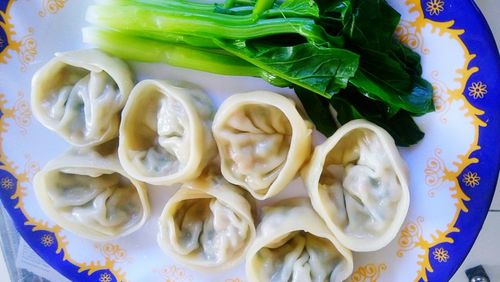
[417, 100]
[337, 9]
[318, 110]
[322, 70]
[388, 71]
[394, 77]
[372, 24]
[334, 15]
[401, 126]
[370, 106]
[407, 58]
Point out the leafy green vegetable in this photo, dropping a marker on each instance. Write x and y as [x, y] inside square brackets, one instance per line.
[334, 15]
[415, 98]
[341, 52]
[133, 48]
[371, 25]
[389, 71]
[407, 58]
[318, 110]
[154, 19]
[322, 70]
[351, 105]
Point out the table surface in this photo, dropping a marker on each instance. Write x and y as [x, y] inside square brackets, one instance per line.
[484, 252]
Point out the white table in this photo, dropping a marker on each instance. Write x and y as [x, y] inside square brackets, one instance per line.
[487, 246]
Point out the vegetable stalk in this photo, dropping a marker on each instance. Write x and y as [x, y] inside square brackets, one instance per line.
[341, 51]
[133, 48]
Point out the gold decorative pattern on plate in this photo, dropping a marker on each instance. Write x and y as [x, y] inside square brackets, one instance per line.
[22, 113]
[405, 32]
[441, 255]
[434, 7]
[435, 169]
[108, 264]
[173, 273]
[436, 173]
[478, 90]
[31, 167]
[464, 160]
[105, 277]
[27, 50]
[368, 273]
[441, 96]
[8, 27]
[7, 183]
[471, 179]
[51, 7]
[47, 240]
[37, 224]
[113, 252]
[411, 235]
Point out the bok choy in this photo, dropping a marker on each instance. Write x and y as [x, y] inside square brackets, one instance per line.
[334, 53]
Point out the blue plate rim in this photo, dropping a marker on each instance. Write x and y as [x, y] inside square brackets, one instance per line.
[476, 24]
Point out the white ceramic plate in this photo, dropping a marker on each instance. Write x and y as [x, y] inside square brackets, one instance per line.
[453, 170]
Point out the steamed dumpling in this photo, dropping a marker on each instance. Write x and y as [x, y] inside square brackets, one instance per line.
[262, 140]
[358, 184]
[88, 193]
[208, 224]
[165, 133]
[294, 244]
[80, 94]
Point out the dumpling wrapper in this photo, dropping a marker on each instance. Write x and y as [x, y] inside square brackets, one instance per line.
[208, 224]
[358, 183]
[294, 244]
[88, 193]
[263, 141]
[165, 133]
[80, 94]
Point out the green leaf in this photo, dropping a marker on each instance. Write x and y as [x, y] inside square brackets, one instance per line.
[334, 15]
[321, 70]
[372, 24]
[401, 126]
[318, 110]
[417, 100]
[299, 8]
[389, 71]
[395, 79]
[408, 59]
